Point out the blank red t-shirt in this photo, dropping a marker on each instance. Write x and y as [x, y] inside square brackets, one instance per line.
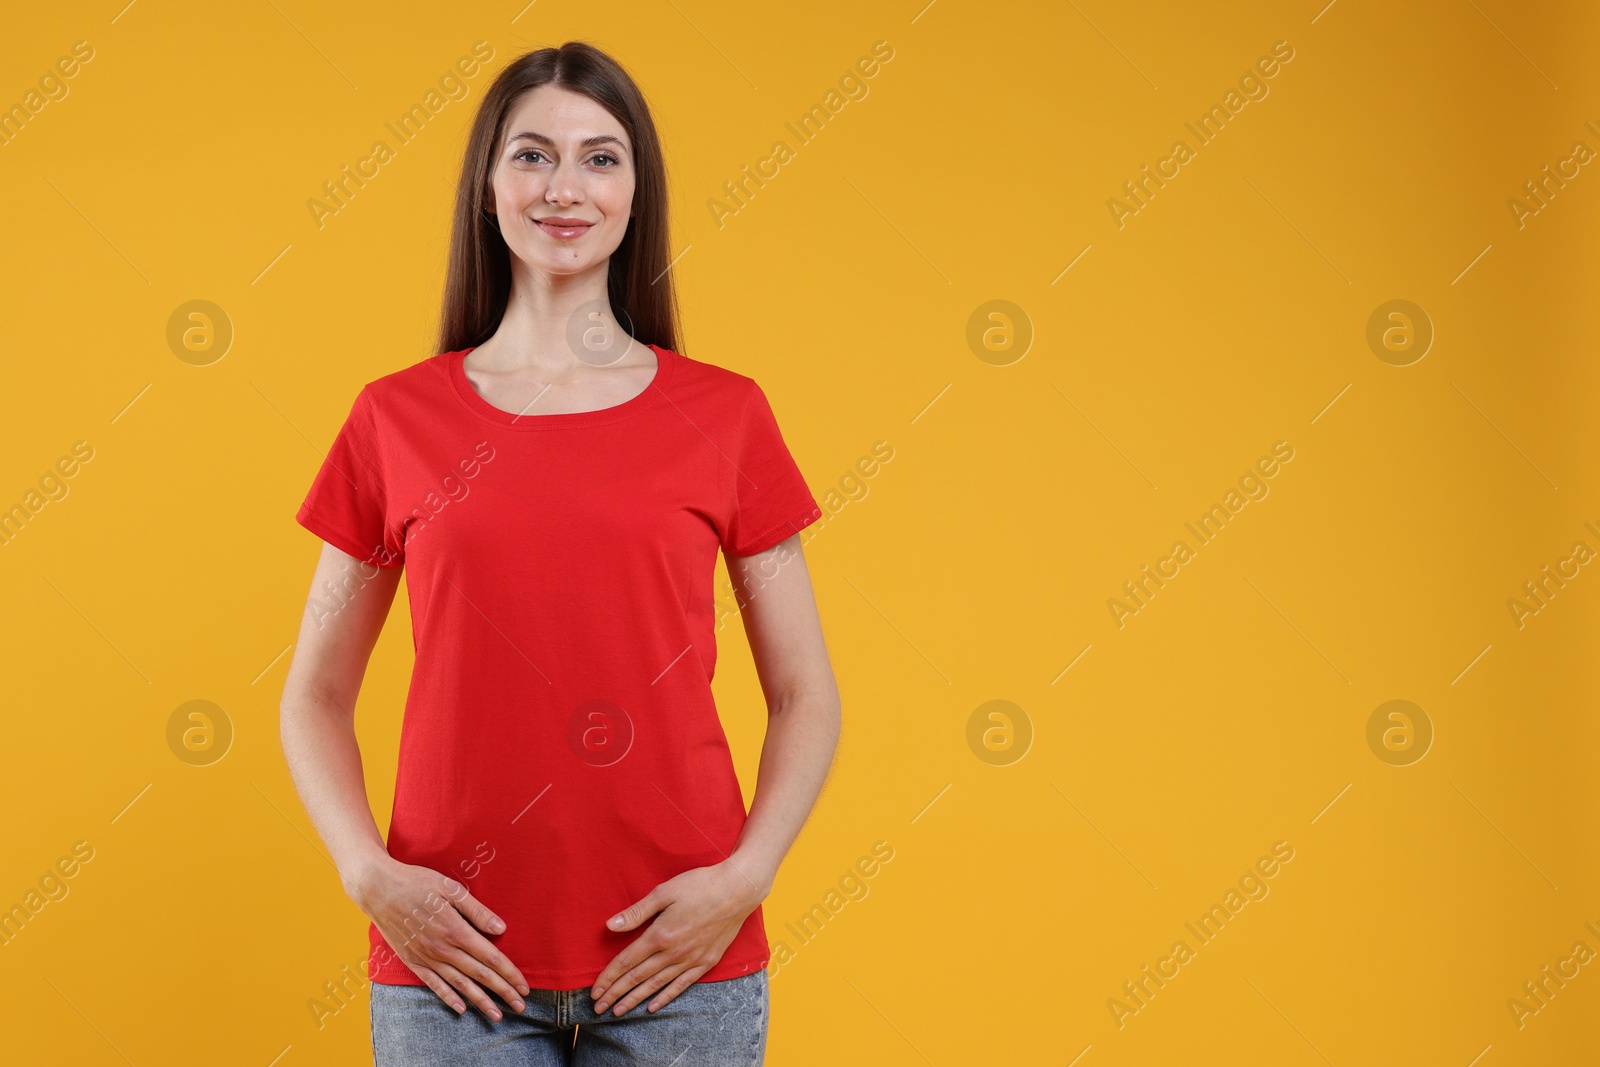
[561, 753]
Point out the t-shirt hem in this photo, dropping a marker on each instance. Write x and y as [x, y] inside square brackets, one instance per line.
[397, 973]
[336, 537]
[775, 534]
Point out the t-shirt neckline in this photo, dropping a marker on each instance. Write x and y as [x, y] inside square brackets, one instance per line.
[456, 363]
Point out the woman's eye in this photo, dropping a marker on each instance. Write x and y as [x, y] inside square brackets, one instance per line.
[609, 159]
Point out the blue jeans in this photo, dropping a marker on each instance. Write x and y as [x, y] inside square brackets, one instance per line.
[710, 1024]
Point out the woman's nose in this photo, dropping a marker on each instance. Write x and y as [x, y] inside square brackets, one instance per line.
[566, 184]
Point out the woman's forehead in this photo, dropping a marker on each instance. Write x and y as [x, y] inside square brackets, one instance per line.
[556, 116]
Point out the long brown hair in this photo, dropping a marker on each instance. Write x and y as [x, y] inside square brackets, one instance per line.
[478, 284]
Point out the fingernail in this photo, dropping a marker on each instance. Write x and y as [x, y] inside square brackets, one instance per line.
[497, 926]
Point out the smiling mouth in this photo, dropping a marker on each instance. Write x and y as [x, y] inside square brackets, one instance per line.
[563, 230]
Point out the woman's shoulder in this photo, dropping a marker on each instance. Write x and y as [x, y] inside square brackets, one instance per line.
[712, 382]
[419, 379]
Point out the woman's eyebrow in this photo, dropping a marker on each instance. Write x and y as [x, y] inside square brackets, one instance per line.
[587, 142]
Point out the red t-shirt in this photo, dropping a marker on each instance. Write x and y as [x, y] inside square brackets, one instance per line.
[561, 754]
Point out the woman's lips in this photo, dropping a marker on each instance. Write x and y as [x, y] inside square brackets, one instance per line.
[564, 231]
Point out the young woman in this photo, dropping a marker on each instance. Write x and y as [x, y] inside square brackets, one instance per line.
[568, 839]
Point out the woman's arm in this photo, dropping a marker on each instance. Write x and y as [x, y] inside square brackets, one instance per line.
[317, 713]
[702, 910]
[803, 709]
[427, 917]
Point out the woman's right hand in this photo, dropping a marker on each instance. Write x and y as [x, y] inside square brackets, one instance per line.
[433, 924]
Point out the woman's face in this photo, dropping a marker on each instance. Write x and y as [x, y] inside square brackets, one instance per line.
[564, 160]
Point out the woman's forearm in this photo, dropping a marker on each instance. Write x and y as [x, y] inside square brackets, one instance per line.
[319, 741]
[802, 735]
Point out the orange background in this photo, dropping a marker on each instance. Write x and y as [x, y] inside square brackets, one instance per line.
[1041, 858]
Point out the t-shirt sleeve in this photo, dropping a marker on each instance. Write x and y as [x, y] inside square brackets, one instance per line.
[347, 501]
[769, 500]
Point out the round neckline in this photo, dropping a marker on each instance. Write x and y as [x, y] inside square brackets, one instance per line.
[456, 363]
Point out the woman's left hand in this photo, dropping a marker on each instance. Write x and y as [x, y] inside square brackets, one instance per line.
[700, 912]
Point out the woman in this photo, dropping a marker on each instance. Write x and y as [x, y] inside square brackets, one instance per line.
[568, 839]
